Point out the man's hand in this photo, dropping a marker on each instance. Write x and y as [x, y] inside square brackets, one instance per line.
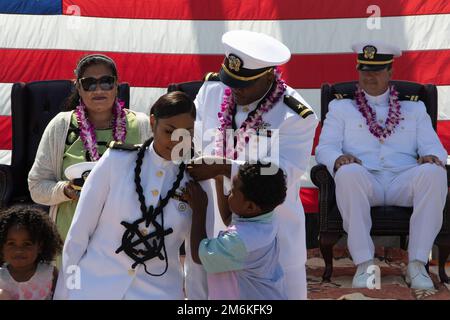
[345, 159]
[196, 198]
[430, 159]
[70, 192]
[205, 168]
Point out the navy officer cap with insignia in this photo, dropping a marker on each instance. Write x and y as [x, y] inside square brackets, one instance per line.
[375, 55]
[79, 172]
[250, 55]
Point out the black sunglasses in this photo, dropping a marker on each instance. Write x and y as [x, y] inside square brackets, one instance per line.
[90, 83]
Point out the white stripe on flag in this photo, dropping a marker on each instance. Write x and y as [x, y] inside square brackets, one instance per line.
[5, 157]
[423, 32]
[5, 101]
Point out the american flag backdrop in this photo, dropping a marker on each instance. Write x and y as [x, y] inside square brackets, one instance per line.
[157, 42]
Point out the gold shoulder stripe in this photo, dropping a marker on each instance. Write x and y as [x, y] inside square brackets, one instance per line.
[212, 76]
[123, 146]
[340, 96]
[302, 110]
[412, 98]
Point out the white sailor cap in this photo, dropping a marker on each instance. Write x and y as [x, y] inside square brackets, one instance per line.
[375, 55]
[79, 172]
[249, 55]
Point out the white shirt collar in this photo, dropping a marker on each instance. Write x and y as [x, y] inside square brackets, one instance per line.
[157, 159]
[382, 99]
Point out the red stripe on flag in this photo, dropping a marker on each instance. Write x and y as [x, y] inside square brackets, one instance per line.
[250, 9]
[443, 130]
[6, 133]
[309, 198]
[158, 70]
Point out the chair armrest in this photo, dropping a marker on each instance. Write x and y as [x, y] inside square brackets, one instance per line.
[320, 175]
[6, 184]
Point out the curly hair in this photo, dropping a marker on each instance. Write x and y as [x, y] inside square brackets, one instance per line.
[266, 191]
[40, 227]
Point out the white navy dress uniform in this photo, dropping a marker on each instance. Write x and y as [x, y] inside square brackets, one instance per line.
[389, 173]
[109, 197]
[249, 55]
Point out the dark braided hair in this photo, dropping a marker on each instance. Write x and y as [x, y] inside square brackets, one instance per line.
[38, 224]
[84, 63]
[266, 191]
[168, 105]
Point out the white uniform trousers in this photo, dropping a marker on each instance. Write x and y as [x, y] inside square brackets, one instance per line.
[423, 187]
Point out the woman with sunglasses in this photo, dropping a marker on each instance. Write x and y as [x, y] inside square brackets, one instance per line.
[94, 117]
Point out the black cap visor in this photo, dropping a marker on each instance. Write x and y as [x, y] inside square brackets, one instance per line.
[371, 67]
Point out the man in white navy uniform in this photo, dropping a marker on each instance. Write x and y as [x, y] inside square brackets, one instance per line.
[253, 93]
[382, 151]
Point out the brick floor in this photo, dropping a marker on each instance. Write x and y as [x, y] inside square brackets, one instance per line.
[392, 263]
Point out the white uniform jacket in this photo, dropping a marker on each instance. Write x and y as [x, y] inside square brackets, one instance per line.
[109, 197]
[345, 132]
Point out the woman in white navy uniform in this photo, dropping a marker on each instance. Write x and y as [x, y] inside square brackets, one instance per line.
[252, 95]
[382, 150]
[130, 221]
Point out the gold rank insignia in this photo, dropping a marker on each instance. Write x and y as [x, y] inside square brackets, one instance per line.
[297, 106]
[369, 52]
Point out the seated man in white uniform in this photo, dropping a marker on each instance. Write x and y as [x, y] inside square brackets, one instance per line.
[383, 151]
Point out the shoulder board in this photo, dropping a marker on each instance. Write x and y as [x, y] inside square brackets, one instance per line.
[414, 98]
[340, 96]
[124, 146]
[211, 76]
[297, 106]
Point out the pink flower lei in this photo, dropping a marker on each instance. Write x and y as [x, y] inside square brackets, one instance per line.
[87, 130]
[393, 118]
[242, 134]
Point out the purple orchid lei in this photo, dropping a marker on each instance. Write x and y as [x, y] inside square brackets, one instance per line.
[242, 134]
[393, 118]
[87, 130]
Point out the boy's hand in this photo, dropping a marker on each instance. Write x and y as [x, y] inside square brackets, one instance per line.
[196, 197]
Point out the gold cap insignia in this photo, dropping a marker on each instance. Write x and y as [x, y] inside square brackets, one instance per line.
[369, 52]
[234, 62]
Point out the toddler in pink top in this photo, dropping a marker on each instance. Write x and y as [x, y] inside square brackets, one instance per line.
[29, 243]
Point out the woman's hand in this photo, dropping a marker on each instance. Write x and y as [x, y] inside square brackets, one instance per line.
[70, 192]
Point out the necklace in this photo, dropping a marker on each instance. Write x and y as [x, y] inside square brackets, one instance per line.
[393, 118]
[87, 130]
[154, 241]
[254, 119]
